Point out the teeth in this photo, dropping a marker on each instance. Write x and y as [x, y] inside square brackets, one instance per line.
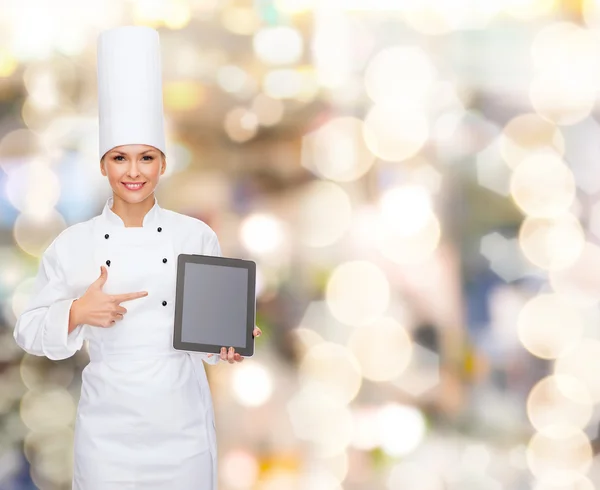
[133, 186]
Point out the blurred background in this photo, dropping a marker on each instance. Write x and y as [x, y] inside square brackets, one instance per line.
[418, 183]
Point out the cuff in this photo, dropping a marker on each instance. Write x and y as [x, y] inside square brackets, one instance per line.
[56, 343]
[214, 359]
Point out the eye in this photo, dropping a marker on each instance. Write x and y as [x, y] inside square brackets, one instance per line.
[117, 158]
[150, 157]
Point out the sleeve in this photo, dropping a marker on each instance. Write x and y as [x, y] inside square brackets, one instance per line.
[42, 327]
[214, 249]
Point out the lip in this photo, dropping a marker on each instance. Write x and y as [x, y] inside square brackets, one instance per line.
[133, 190]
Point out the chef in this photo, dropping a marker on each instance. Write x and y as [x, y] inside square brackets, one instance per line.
[145, 417]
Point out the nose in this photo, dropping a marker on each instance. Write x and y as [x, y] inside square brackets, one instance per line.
[133, 170]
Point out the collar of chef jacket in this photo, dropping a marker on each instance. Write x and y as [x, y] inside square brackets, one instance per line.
[150, 220]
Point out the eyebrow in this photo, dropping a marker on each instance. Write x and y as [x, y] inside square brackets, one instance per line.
[123, 153]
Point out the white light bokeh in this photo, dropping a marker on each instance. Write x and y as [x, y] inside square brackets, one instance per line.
[395, 133]
[252, 384]
[401, 429]
[240, 469]
[543, 186]
[262, 233]
[278, 45]
[383, 349]
[358, 293]
[337, 151]
[559, 401]
[549, 326]
[333, 367]
[552, 243]
[583, 363]
[399, 73]
[324, 214]
[560, 456]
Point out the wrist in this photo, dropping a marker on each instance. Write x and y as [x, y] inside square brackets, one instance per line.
[74, 320]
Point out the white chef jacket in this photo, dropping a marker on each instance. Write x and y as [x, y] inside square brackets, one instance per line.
[145, 417]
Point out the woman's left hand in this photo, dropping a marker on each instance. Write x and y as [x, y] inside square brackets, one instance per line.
[230, 354]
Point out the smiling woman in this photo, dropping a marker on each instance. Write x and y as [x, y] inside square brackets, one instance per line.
[133, 173]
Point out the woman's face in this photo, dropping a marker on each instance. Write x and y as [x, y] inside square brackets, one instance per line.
[133, 164]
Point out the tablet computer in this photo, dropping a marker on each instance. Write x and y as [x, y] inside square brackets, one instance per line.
[215, 304]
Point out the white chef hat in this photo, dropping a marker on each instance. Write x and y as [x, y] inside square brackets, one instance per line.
[130, 104]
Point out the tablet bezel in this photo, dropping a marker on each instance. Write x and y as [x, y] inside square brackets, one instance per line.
[250, 266]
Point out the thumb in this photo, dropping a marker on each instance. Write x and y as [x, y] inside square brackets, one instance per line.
[103, 276]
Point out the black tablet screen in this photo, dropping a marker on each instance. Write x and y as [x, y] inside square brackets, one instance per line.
[214, 305]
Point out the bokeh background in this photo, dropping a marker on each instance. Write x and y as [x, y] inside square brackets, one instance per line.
[418, 183]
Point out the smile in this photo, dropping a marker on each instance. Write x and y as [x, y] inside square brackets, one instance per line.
[133, 187]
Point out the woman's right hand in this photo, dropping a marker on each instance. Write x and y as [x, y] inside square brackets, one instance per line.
[99, 309]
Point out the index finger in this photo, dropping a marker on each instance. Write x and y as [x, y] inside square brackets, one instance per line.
[129, 296]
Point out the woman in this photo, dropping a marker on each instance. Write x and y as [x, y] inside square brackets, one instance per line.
[145, 418]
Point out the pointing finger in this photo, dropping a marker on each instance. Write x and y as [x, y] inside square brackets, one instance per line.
[129, 296]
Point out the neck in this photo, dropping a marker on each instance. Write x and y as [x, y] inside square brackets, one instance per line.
[132, 214]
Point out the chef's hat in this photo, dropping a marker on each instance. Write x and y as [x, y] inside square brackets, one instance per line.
[130, 105]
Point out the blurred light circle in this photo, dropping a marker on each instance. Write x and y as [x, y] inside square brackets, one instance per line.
[295, 6]
[580, 482]
[305, 339]
[269, 111]
[324, 214]
[528, 9]
[240, 469]
[398, 73]
[262, 233]
[37, 372]
[240, 20]
[334, 367]
[336, 466]
[526, 134]
[47, 409]
[552, 244]
[561, 98]
[252, 384]
[232, 78]
[278, 45]
[51, 457]
[406, 209]
[543, 186]
[365, 436]
[395, 133]
[33, 234]
[357, 293]
[22, 295]
[552, 47]
[401, 247]
[560, 456]
[284, 83]
[241, 124]
[559, 401]
[436, 17]
[33, 188]
[579, 281]
[414, 476]
[401, 429]
[317, 415]
[372, 346]
[319, 480]
[17, 147]
[337, 151]
[549, 326]
[582, 362]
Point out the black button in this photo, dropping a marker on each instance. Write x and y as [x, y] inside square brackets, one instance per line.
[164, 261]
[159, 229]
[164, 303]
[106, 236]
[108, 263]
